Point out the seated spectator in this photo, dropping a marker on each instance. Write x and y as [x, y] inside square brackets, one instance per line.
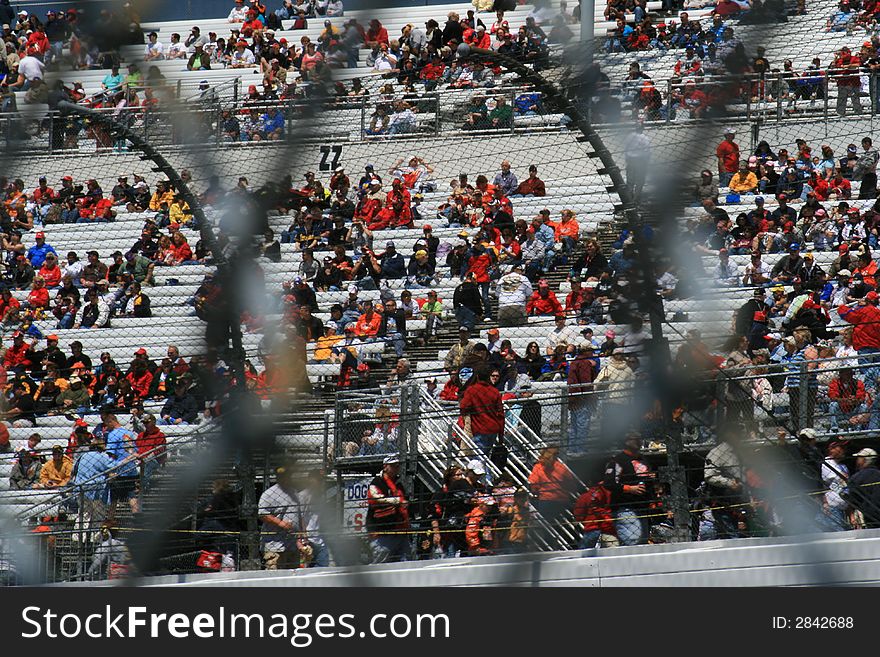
[182, 407]
[57, 472]
[849, 402]
[531, 186]
[543, 301]
[25, 471]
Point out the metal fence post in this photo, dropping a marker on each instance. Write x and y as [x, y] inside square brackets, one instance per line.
[779, 83]
[669, 106]
[825, 94]
[803, 397]
[363, 102]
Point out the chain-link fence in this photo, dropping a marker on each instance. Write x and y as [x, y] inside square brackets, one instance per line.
[460, 306]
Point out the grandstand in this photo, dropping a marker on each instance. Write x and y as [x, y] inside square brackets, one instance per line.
[334, 409]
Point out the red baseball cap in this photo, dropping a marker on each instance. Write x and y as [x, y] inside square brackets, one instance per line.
[40, 235]
[843, 248]
[141, 352]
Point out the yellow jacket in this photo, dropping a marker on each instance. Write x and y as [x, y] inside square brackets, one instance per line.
[178, 212]
[50, 475]
[740, 184]
[157, 200]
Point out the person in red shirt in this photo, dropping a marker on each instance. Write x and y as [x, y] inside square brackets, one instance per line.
[38, 297]
[151, 441]
[50, 271]
[482, 411]
[840, 187]
[864, 315]
[578, 297]
[481, 260]
[451, 387]
[531, 186]
[180, 251]
[552, 483]
[849, 401]
[593, 510]
[543, 301]
[7, 303]
[728, 158]
[43, 192]
[376, 34]
[845, 70]
[15, 358]
[140, 378]
[867, 269]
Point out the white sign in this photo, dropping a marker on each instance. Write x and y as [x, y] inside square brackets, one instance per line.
[354, 502]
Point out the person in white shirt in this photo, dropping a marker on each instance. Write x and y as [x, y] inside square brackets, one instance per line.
[335, 8]
[154, 50]
[238, 13]
[242, 57]
[840, 293]
[561, 334]
[513, 290]
[176, 50]
[846, 351]
[726, 273]
[757, 271]
[834, 476]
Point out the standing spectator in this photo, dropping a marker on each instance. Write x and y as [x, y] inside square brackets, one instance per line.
[835, 474]
[845, 70]
[727, 153]
[630, 480]
[513, 291]
[482, 412]
[581, 404]
[637, 151]
[90, 483]
[864, 315]
[467, 303]
[863, 490]
[122, 448]
[388, 514]
[552, 483]
[281, 516]
[724, 479]
[460, 351]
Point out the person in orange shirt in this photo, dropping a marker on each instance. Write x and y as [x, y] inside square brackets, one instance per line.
[367, 325]
[567, 231]
[867, 268]
[552, 483]
[480, 525]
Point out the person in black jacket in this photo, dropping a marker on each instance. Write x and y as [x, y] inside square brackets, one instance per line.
[631, 482]
[452, 29]
[746, 313]
[467, 302]
[863, 489]
[393, 326]
[182, 407]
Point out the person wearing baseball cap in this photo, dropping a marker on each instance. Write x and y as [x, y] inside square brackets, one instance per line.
[388, 514]
[863, 491]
